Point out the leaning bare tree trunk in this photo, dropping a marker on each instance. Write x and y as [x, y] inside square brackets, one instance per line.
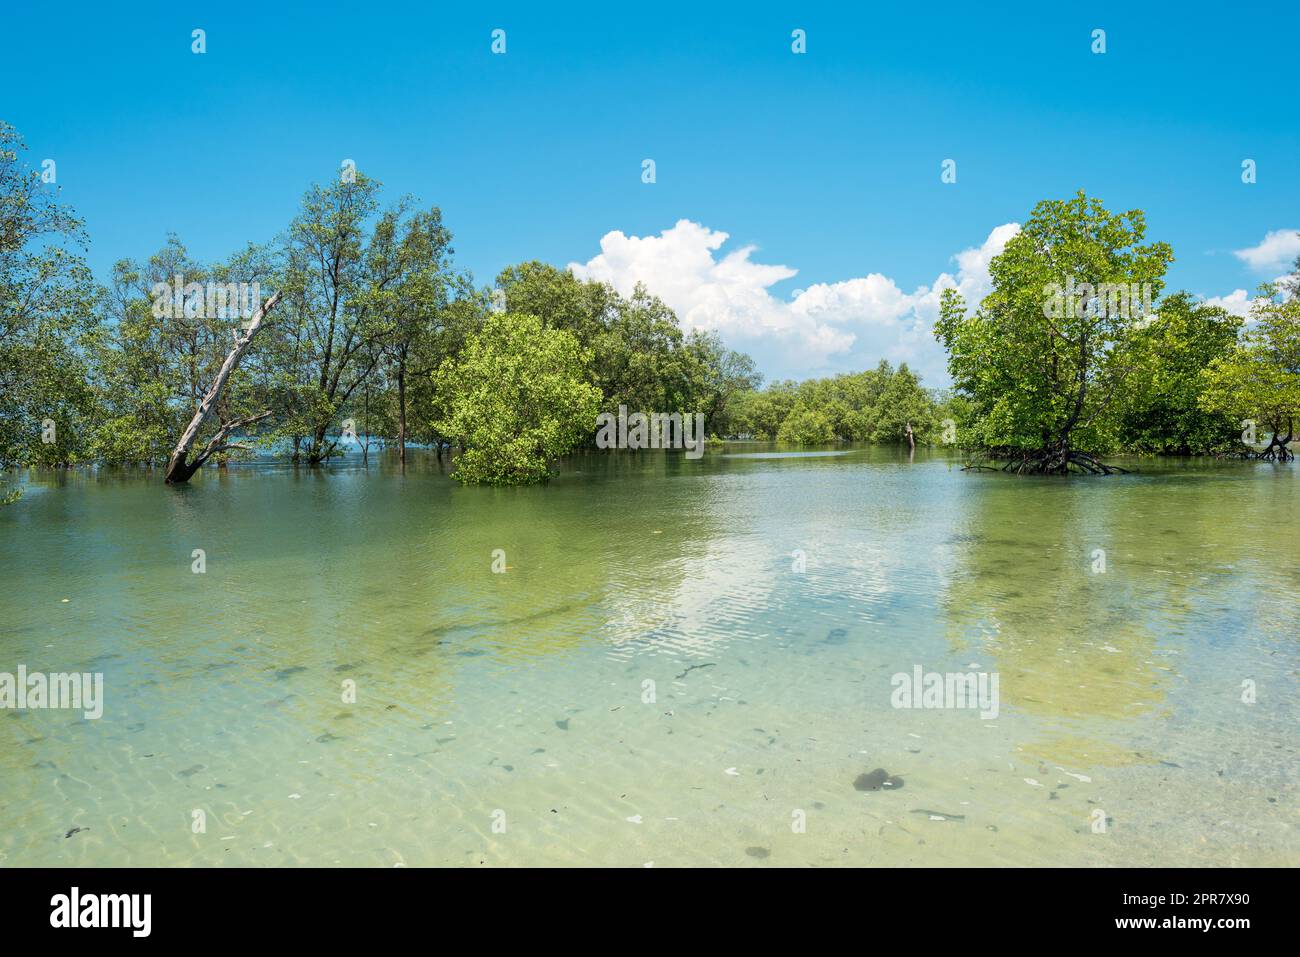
[180, 467]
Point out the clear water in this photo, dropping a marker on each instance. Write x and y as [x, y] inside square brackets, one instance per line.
[502, 719]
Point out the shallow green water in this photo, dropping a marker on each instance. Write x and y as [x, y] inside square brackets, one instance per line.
[504, 719]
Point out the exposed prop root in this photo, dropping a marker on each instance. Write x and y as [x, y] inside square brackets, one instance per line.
[1277, 451]
[1046, 462]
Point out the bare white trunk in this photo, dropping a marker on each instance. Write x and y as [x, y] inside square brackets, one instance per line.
[179, 467]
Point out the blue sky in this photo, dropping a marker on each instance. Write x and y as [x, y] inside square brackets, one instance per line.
[828, 163]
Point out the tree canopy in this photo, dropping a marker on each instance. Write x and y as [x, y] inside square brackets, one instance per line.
[1161, 410]
[47, 311]
[1258, 382]
[516, 398]
[1044, 356]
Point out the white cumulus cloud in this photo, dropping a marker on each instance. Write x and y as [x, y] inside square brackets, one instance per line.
[1236, 302]
[838, 326]
[1274, 254]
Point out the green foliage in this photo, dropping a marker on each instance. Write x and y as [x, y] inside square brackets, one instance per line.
[154, 358]
[905, 403]
[462, 315]
[1260, 379]
[958, 411]
[47, 300]
[641, 358]
[516, 398]
[760, 414]
[1161, 407]
[717, 375]
[806, 426]
[872, 406]
[559, 298]
[1044, 379]
[377, 326]
[336, 267]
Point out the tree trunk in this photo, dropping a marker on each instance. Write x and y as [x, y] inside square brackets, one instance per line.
[180, 467]
[401, 413]
[1277, 449]
[316, 450]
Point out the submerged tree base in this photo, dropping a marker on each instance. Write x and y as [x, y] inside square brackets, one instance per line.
[1056, 461]
[1277, 451]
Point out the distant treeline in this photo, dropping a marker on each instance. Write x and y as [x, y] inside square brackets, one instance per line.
[373, 332]
[873, 406]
